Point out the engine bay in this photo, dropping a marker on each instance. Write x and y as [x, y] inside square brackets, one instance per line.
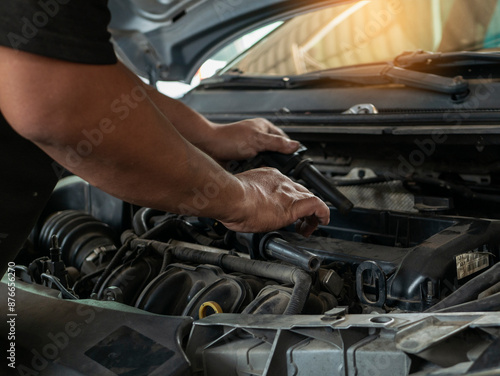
[172, 265]
[402, 271]
[404, 279]
[366, 260]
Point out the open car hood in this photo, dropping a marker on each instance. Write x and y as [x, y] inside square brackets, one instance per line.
[170, 39]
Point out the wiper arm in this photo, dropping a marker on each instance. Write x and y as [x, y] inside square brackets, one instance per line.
[374, 74]
[231, 80]
[456, 85]
[459, 58]
[380, 74]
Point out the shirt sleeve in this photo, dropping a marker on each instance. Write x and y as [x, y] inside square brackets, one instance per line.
[71, 30]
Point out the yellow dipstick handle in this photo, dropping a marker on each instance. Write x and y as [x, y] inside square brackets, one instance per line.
[202, 313]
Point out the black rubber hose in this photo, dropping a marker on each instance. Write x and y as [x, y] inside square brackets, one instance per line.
[489, 304]
[300, 293]
[171, 228]
[275, 247]
[166, 229]
[167, 226]
[366, 181]
[140, 222]
[177, 228]
[126, 237]
[304, 169]
[325, 188]
[470, 290]
[167, 260]
[279, 272]
[85, 279]
[458, 189]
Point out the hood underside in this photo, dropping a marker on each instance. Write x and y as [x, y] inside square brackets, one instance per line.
[169, 39]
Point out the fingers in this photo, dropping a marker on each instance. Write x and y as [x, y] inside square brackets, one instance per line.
[306, 226]
[278, 143]
[288, 201]
[252, 136]
[311, 213]
[301, 188]
[279, 140]
[315, 207]
[266, 126]
[275, 130]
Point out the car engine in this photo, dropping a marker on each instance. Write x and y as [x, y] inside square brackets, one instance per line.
[170, 264]
[397, 252]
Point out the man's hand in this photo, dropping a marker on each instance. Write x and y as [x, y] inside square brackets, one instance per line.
[223, 142]
[245, 139]
[271, 201]
[140, 157]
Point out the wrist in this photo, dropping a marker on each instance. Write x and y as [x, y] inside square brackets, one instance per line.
[235, 202]
[207, 139]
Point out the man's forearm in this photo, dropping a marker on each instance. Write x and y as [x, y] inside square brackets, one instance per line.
[140, 158]
[100, 124]
[240, 140]
[193, 126]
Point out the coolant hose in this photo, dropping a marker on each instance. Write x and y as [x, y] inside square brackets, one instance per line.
[470, 290]
[279, 272]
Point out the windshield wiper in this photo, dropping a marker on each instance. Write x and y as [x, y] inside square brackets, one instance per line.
[452, 59]
[372, 74]
[229, 80]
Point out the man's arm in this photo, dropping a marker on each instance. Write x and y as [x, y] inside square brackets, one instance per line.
[140, 158]
[223, 142]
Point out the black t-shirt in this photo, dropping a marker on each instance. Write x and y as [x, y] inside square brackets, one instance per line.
[71, 30]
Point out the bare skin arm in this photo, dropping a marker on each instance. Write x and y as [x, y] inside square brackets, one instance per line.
[141, 157]
[246, 138]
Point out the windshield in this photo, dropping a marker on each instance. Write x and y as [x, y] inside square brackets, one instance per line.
[372, 31]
